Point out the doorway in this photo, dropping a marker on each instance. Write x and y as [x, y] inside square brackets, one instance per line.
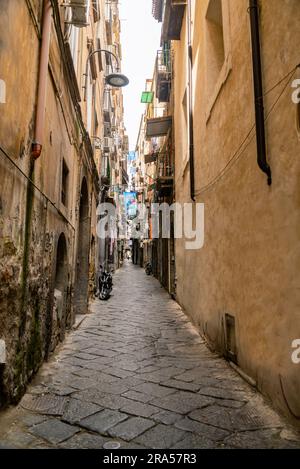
[83, 249]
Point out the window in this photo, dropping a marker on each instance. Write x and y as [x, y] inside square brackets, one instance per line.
[64, 183]
[215, 42]
[89, 102]
[184, 107]
[99, 55]
[73, 41]
[217, 50]
[96, 10]
[147, 97]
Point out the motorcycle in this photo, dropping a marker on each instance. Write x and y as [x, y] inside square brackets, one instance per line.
[105, 285]
[148, 268]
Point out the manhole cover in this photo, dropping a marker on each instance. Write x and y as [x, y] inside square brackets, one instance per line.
[112, 445]
[46, 404]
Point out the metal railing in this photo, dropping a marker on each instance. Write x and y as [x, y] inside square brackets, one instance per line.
[165, 165]
[164, 74]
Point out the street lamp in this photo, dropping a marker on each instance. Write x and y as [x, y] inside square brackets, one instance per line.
[115, 79]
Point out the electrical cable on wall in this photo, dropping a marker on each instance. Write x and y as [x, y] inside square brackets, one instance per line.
[35, 186]
[237, 154]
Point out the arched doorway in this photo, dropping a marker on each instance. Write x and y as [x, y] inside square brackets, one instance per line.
[58, 320]
[82, 268]
[92, 267]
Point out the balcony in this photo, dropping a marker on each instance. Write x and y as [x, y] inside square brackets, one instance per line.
[107, 144]
[150, 158]
[108, 23]
[164, 75]
[170, 13]
[107, 129]
[158, 126]
[165, 174]
[107, 108]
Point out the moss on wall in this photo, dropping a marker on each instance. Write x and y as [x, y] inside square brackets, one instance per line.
[34, 348]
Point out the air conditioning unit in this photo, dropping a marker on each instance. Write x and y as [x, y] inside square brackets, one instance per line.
[80, 12]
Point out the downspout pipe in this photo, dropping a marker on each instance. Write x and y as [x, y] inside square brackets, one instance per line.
[258, 90]
[37, 144]
[190, 101]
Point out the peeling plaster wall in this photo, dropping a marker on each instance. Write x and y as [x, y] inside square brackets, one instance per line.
[249, 266]
[31, 322]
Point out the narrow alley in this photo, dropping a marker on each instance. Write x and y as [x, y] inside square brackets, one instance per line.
[136, 374]
[149, 227]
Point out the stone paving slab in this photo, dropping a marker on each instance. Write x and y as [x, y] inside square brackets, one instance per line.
[139, 409]
[77, 410]
[182, 402]
[131, 428]
[102, 421]
[54, 431]
[213, 433]
[153, 389]
[84, 440]
[136, 372]
[161, 437]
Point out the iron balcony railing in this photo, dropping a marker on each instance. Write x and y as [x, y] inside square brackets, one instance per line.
[164, 74]
[165, 166]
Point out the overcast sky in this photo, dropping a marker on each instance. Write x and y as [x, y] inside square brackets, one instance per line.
[140, 41]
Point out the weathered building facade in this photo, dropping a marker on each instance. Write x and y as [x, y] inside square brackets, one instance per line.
[51, 123]
[236, 139]
[115, 144]
[154, 177]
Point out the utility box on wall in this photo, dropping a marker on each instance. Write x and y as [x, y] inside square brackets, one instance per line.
[2, 352]
[230, 334]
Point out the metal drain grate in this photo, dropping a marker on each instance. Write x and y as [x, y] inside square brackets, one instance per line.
[47, 404]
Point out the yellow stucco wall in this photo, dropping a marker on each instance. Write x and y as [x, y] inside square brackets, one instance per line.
[249, 266]
[30, 225]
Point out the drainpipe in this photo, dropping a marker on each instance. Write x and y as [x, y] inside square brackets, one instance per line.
[37, 144]
[258, 90]
[190, 100]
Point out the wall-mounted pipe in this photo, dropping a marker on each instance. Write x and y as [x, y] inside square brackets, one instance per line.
[258, 90]
[190, 100]
[37, 143]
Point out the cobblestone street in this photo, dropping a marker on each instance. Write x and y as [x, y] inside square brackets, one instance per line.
[135, 373]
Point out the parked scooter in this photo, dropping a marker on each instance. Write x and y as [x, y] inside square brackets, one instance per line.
[148, 268]
[105, 284]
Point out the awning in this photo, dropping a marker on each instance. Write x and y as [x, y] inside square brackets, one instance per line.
[157, 9]
[158, 126]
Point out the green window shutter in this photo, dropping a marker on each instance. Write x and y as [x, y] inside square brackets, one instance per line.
[147, 97]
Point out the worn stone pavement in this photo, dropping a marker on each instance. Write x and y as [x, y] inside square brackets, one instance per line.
[137, 374]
